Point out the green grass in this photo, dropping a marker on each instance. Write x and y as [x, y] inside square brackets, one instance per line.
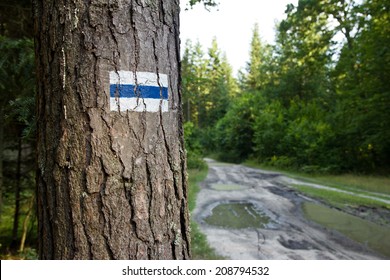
[338, 199]
[364, 184]
[199, 245]
[375, 186]
[195, 176]
[378, 184]
[6, 226]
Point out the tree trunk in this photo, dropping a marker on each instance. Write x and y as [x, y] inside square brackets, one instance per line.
[25, 224]
[18, 180]
[111, 179]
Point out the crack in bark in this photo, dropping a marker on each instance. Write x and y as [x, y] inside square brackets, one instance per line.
[96, 78]
[173, 243]
[68, 210]
[89, 242]
[109, 127]
[117, 193]
[171, 165]
[129, 199]
[88, 146]
[101, 207]
[162, 11]
[111, 27]
[158, 76]
[135, 37]
[184, 228]
[150, 185]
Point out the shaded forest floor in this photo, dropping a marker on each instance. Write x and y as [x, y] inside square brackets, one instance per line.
[10, 247]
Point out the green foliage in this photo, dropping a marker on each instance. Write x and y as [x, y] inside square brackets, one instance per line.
[193, 147]
[269, 127]
[362, 119]
[17, 114]
[29, 254]
[308, 102]
[193, 82]
[234, 132]
[17, 83]
[23, 111]
[207, 84]
[207, 3]
[260, 61]
[208, 87]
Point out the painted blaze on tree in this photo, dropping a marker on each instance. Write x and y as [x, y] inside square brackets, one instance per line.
[111, 167]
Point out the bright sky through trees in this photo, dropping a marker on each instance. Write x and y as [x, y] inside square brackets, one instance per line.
[232, 24]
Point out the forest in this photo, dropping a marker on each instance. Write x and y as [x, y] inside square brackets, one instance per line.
[317, 101]
[17, 130]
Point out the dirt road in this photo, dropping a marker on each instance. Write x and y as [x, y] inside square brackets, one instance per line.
[287, 235]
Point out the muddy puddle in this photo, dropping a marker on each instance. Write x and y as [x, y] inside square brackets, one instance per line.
[225, 187]
[368, 233]
[237, 215]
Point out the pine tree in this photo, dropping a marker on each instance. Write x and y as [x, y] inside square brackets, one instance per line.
[111, 177]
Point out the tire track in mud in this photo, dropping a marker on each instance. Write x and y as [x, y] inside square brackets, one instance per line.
[288, 235]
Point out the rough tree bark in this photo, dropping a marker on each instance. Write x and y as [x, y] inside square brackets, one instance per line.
[111, 183]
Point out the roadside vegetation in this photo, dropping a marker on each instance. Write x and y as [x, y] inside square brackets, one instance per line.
[357, 185]
[372, 185]
[369, 183]
[197, 172]
[200, 247]
[340, 199]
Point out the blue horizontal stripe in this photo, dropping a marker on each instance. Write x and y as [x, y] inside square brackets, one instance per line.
[127, 91]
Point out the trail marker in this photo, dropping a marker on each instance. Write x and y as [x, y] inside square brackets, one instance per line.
[138, 91]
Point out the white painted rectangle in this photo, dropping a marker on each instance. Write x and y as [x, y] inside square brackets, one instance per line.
[138, 91]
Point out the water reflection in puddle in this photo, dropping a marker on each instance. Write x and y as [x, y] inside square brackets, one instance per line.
[374, 236]
[237, 215]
